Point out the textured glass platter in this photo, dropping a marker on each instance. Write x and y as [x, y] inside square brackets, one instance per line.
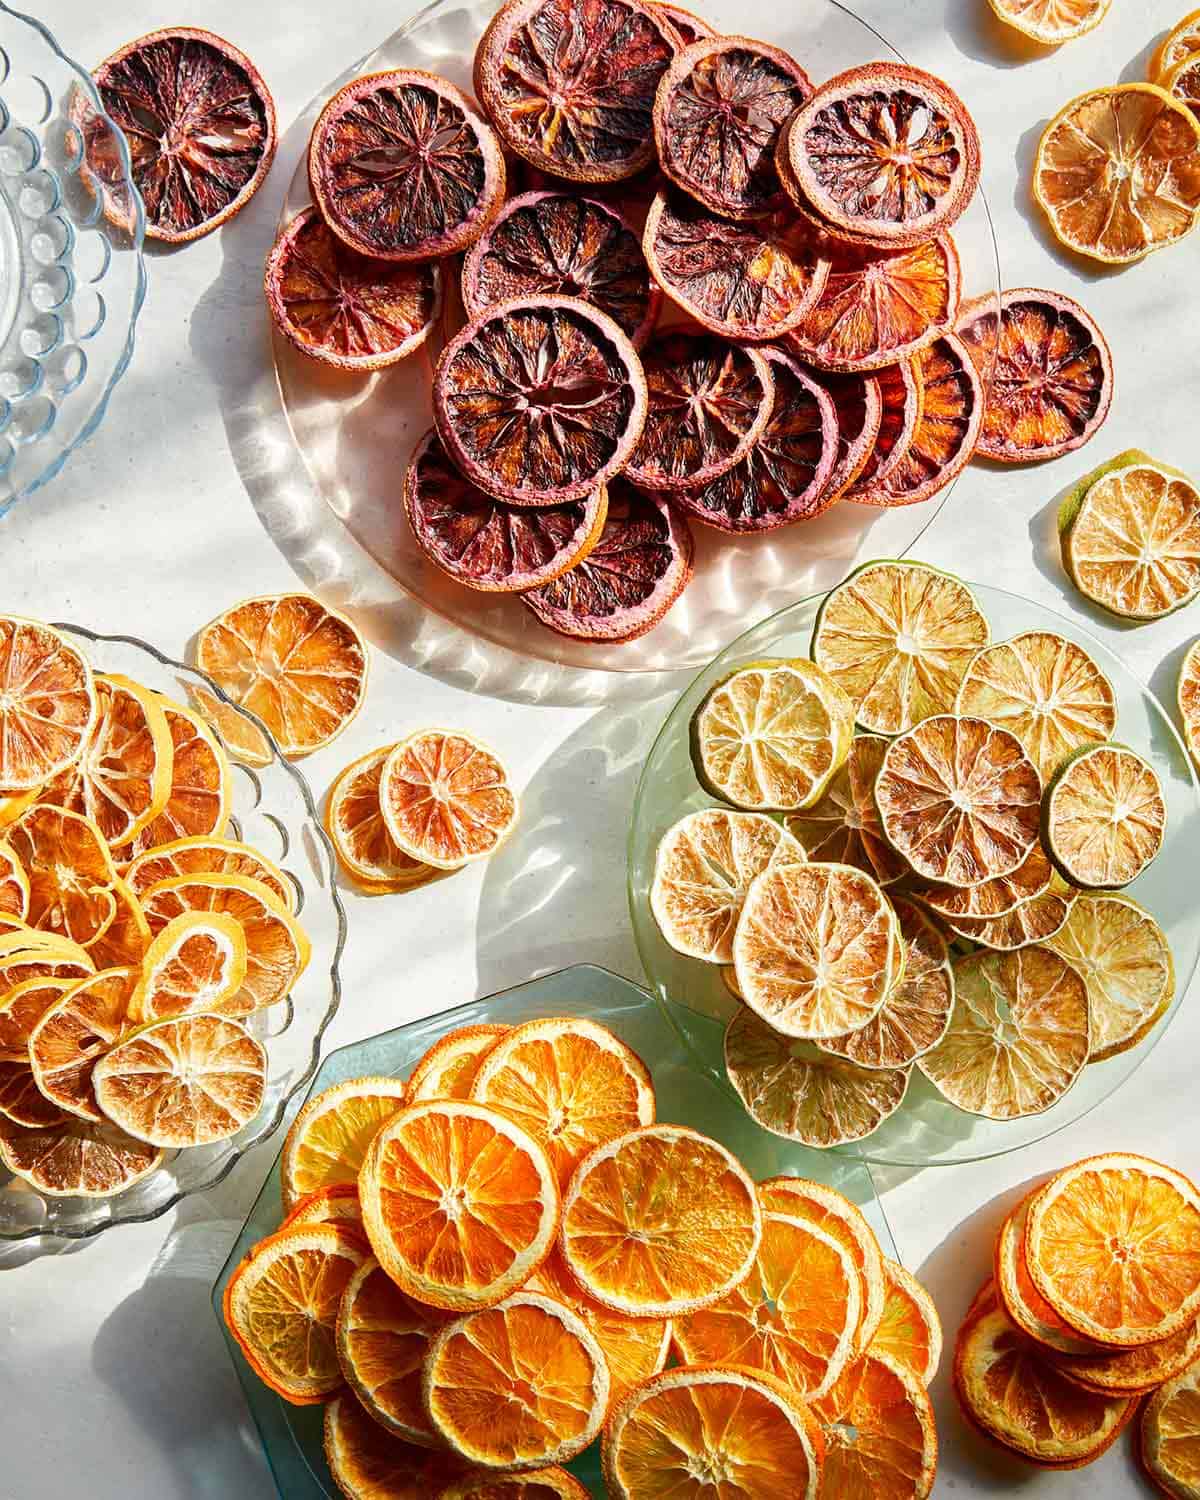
[687, 1093]
[926, 1130]
[272, 809]
[352, 435]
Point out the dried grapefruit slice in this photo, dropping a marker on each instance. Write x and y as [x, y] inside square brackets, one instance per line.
[72, 877]
[887, 151]
[1021, 1300]
[445, 798]
[1052, 22]
[1105, 817]
[1180, 44]
[196, 962]
[404, 168]
[1188, 698]
[47, 704]
[695, 1429]
[1018, 1037]
[561, 243]
[843, 827]
[328, 1139]
[902, 401]
[345, 309]
[448, 1069]
[911, 1331]
[77, 1029]
[960, 799]
[897, 637]
[1035, 921]
[199, 799]
[659, 1222]
[797, 1090]
[354, 823]
[880, 1437]
[200, 123]
[1047, 373]
[76, 1159]
[205, 855]
[1118, 172]
[1169, 1437]
[858, 404]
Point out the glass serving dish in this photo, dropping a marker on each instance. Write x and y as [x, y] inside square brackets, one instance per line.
[348, 437]
[272, 809]
[687, 1093]
[926, 1129]
[72, 278]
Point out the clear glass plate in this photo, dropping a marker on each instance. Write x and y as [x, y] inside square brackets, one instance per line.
[686, 1093]
[351, 435]
[272, 809]
[926, 1130]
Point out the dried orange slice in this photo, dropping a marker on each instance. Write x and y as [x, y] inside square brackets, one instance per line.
[1188, 698]
[71, 873]
[798, 1091]
[1118, 172]
[75, 1158]
[205, 855]
[538, 1484]
[1181, 43]
[545, 1376]
[1052, 22]
[880, 1437]
[1136, 1371]
[1105, 817]
[902, 401]
[1047, 371]
[817, 949]
[796, 1316]
[897, 637]
[1169, 1438]
[127, 937]
[445, 798]
[960, 799]
[369, 1463]
[448, 1068]
[910, 1331]
[354, 823]
[843, 827]
[1036, 921]
[14, 885]
[338, 1203]
[200, 796]
[188, 1081]
[74, 1032]
[300, 666]
[702, 871]
[459, 1203]
[281, 1305]
[47, 704]
[1021, 1300]
[1113, 1244]
[659, 1222]
[328, 1139]
[696, 1429]
[197, 962]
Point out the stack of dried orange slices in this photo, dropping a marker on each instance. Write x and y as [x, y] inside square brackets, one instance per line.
[917, 860]
[487, 1268]
[1094, 1304]
[137, 941]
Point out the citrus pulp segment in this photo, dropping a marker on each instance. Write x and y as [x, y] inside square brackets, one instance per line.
[47, 704]
[1169, 1438]
[76, 1030]
[445, 798]
[206, 855]
[1104, 817]
[447, 1070]
[659, 1222]
[842, 827]
[200, 797]
[902, 399]
[1188, 697]
[76, 1158]
[880, 1437]
[1020, 1298]
[70, 870]
[327, 1142]
[897, 638]
[354, 823]
[910, 1332]
[1181, 43]
[992, 898]
[1036, 921]
[1052, 22]
[197, 962]
[367, 1462]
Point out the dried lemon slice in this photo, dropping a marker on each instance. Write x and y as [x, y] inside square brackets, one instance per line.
[897, 638]
[843, 827]
[771, 735]
[1052, 21]
[1188, 696]
[702, 871]
[1104, 818]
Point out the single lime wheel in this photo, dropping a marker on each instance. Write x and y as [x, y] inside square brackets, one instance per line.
[1104, 817]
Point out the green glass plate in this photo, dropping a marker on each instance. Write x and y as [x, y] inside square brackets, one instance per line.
[688, 1093]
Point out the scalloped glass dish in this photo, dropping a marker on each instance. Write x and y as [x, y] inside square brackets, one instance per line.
[352, 434]
[687, 1094]
[926, 1130]
[273, 809]
[72, 278]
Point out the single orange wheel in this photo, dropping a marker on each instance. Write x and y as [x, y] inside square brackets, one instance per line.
[878, 1406]
[328, 1139]
[197, 962]
[448, 1068]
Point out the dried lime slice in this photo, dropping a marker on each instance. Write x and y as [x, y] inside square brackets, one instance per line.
[843, 827]
[1033, 921]
[1104, 817]
[993, 898]
[1189, 699]
[897, 637]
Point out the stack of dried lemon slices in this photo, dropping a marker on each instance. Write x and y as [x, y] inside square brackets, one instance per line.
[136, 940]
[918, 862]
[485, 1269]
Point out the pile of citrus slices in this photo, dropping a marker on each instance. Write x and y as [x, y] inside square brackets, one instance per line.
[917, 858]
[1093, 1306]
[486, 1268]
[137, 942]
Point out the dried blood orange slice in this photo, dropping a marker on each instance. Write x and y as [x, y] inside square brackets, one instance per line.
[887, 151]
[354, 823]
[786, 475]
[570, 84]
[445, 798]
[343, 308]
[878, 1407]
[1052, 22]
[708, 403]
[1169, 1436]
[858, 403]
[902, 401]
[540, 400]
[76, 1158]
[720, 108]
[1104, 818]
[403, 167]
[1047, 373]
[690, 28]
[486, 543]
[563, 244]
[631, 577]
[878, 307]
[47, 704]
[448, 1068]
[200, 124]
[843, 827]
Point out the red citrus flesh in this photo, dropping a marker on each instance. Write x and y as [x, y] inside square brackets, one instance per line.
[341, 307]
[403, 167]
[709, 401]
[886, 150]
[858, 406]
[753, 280]
[903, 399]
[200, 123]
[720, 108]
[785, 476]
[540, 400]
[629, 580]
[485, 543]
[563, 244]
[688, 27]
[1047, 371]
[570, 84]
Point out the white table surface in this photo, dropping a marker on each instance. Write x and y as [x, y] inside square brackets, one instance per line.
[114, 1381]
